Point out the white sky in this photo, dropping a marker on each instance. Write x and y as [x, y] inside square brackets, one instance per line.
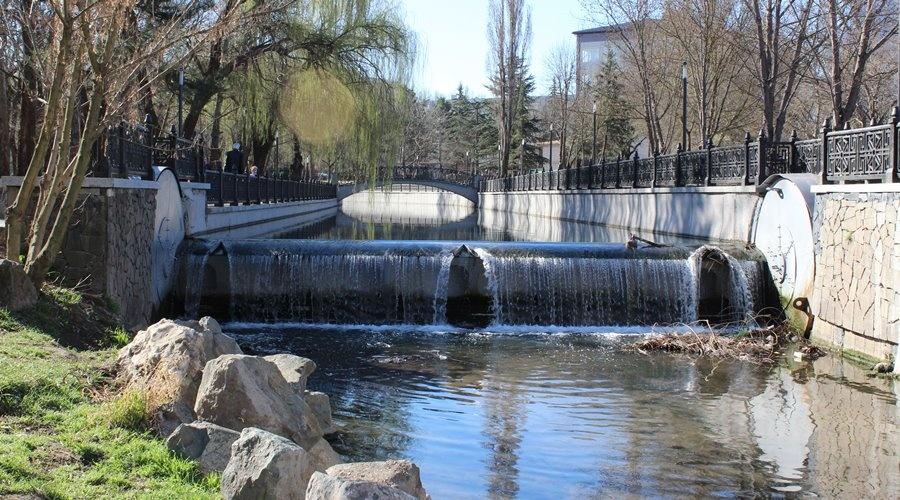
[453, 40]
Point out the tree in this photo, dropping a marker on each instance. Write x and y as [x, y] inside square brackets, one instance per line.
[509, 33]
[782, 46]
[561, 65]
[856, 30]
[613, 111]
[527, 131]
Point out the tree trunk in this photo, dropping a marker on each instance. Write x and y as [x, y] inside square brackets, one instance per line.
[29, 106]
[6, 165]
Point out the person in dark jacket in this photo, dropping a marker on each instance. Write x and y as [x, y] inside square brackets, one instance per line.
[234, 159]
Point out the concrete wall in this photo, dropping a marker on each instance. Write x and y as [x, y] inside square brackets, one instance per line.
[856, 297]
[254, 221]
[427, 204]
[711, 213]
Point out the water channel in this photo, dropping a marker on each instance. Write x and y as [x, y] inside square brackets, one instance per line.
[489, 350]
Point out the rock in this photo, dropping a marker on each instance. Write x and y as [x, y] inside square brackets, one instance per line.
[168, 416]
[294, 369]
[17, 292]
[167, 360]
[264, 465]
[327, 487]
[321, 407]
[400, 474]
[208, 443]
[240, 391]
[324, 456]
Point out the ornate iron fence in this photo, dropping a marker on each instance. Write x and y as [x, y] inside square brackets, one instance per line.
[228, 188]
[867, 154]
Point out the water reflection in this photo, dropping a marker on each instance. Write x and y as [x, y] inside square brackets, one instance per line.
[575, 416]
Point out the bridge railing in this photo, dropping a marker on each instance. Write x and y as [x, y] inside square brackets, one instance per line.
[868, 154]
[227, 188]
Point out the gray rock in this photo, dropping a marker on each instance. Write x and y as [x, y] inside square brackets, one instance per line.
[264, 465]
[321, 407]
[167, 360]
[168, 416]
[326, 487]
[324, 456]
[16, 289]
[400, 474]
[208, 443]
[294, 369]
[239, 391]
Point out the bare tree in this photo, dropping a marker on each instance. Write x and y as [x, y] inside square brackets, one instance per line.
[561, 67]
[782, 41]
[856, 30]
[704, 31]
[509, 33]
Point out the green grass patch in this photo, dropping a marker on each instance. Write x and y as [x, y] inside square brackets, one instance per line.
[57, 439]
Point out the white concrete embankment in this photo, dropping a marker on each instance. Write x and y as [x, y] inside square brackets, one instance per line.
[711, 213]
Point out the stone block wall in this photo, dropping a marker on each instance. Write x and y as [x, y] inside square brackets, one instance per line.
[107, 249]
[856, 297]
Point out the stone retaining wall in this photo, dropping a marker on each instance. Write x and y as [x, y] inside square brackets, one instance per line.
[856, 298]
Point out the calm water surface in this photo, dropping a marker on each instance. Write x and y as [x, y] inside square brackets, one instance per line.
[573, 415]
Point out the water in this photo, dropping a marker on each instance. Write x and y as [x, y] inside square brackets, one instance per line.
[573, 415]
[562, 409]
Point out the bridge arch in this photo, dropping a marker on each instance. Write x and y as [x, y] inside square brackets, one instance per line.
[454, 181]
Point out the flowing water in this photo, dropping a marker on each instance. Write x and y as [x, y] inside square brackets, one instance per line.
[541, 400]
[503, 413]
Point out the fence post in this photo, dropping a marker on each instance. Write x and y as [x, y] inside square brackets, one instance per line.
[746, 158]
[678, 151]
[892, 175]
[709, 146]
[234, 180]
[793, 168]
[634, 171]
[762, 155]
[826, 128]
[123, 172]
[619, 171]
[221, 201]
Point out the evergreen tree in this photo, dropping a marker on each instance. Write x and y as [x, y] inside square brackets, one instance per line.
[614, 111]
[526, 126]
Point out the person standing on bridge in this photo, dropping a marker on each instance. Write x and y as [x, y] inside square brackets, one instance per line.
[234, 159]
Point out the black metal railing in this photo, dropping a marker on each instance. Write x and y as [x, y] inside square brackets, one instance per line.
[132, 151]
[227, 188]
[427, 173]
[867, 154]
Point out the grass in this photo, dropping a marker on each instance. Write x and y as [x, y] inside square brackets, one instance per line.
[65, 430]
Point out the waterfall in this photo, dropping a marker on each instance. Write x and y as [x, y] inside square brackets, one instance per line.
[396, 282]
[441, 287]
[195, 263]
[585, 291]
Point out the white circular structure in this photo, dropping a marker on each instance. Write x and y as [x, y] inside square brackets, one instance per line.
[168, 233]
[783, 231]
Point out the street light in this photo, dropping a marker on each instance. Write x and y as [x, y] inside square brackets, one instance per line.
[684, 77]
[180, 100]
[467, 162]
[594, 141]
[522, 158]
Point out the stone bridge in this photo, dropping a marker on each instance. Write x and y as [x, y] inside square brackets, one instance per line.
[454, 181]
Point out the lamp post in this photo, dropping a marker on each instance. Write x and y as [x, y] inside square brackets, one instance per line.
[468, 165]
[594, 140]
[684, 78]
[522, 158]
[550, 169]
[500, 161]
[180, 101]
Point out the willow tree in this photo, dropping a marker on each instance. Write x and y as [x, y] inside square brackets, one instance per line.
[93, 58]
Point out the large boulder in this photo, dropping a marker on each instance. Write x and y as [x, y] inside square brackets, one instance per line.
[264, 465]
[327, 487]
[324, 456]
[239, 391]
[167, 360]
[294, 369]
[400, 474]
[321, 407]
[16, 289]
[207, 443]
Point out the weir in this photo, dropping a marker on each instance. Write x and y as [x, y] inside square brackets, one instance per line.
[470, 284]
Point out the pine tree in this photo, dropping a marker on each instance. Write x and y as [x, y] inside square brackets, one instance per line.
[614, 111]
[526, 126]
